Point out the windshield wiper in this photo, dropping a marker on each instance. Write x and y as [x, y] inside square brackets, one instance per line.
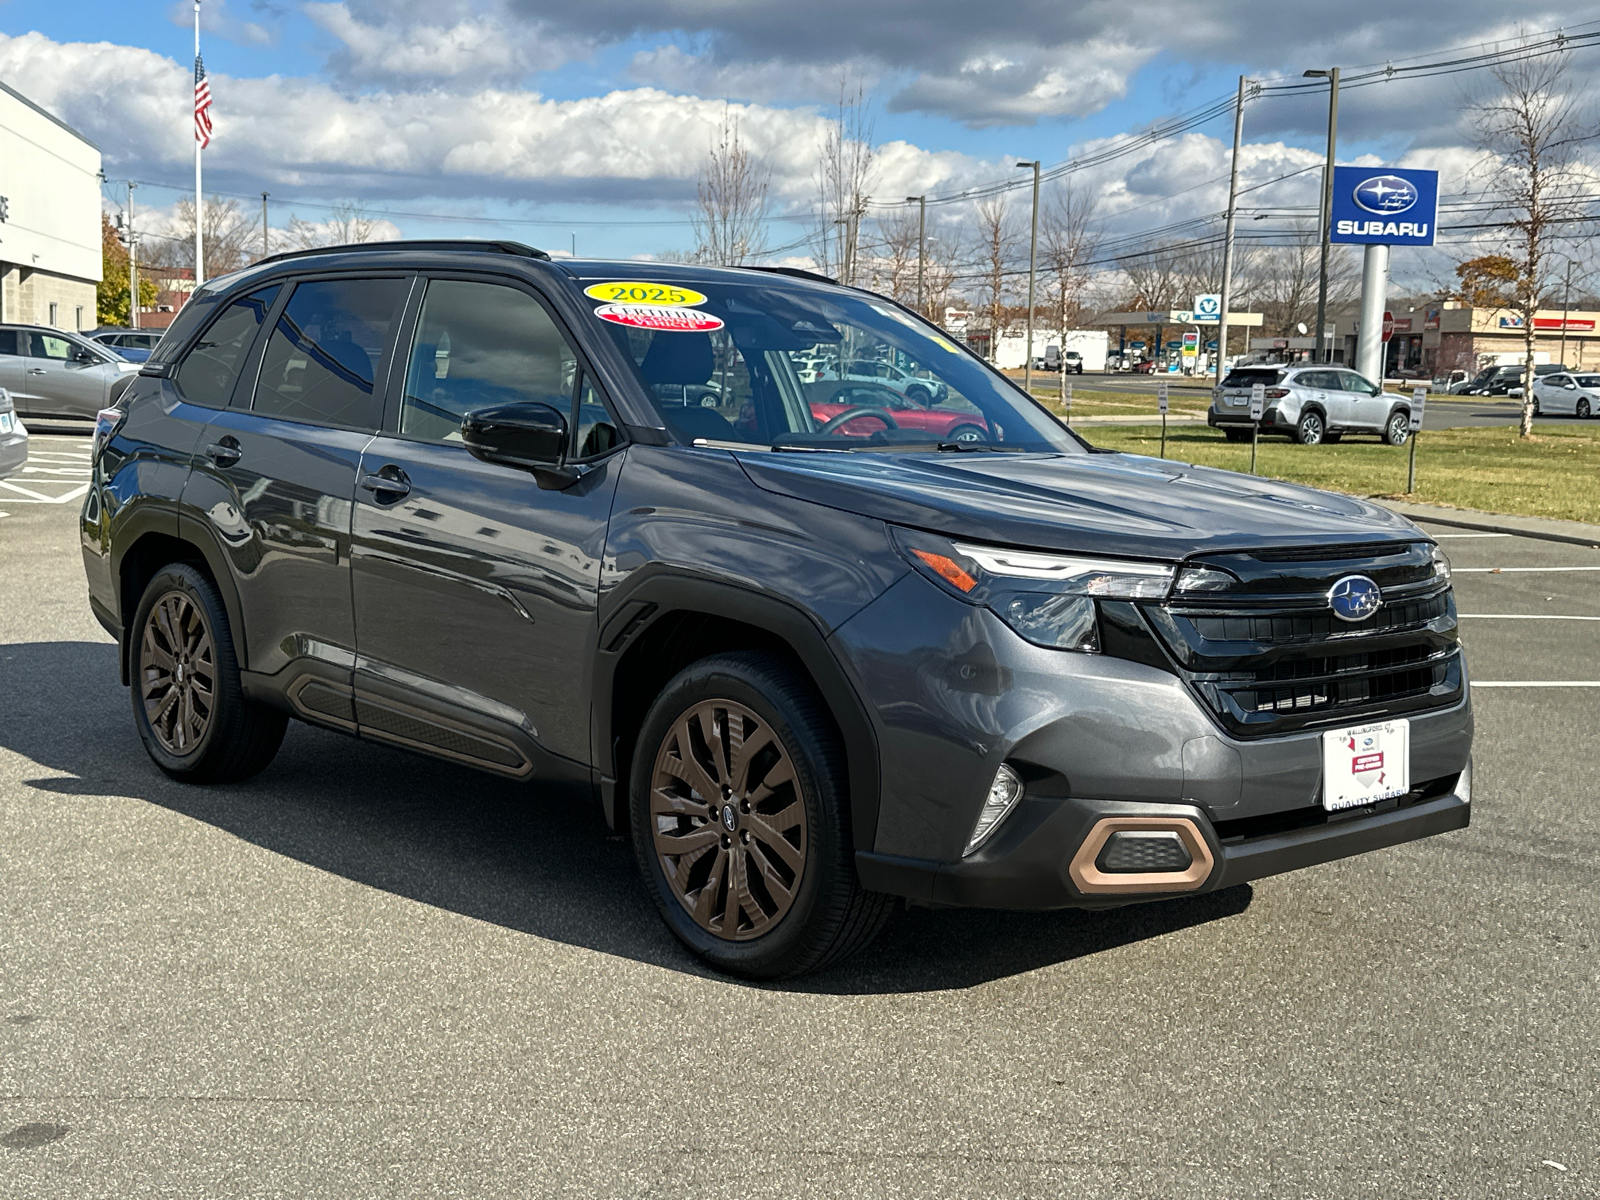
[971, 447]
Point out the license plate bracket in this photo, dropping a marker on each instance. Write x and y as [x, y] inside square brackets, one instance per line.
[1364, 764]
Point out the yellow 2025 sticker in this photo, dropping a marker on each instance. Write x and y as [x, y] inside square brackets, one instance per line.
[630, 291]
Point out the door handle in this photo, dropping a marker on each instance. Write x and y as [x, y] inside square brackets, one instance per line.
[226, 452]
[389, 481]
[37, 371]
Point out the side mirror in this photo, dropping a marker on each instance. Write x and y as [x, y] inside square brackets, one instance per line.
[80, 355]
[529, 435]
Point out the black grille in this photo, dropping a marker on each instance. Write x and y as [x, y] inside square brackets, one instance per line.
[1269, 656]
[1129, 852]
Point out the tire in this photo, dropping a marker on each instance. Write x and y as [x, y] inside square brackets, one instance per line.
[1397, 430]
[1310, 429]
[920, 395]
[1236, 435]
[1581, 410]
[968, 434]
[194, 718]
[1537, 411]
[802, 905]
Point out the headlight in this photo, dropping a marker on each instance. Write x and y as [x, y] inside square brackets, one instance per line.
[1441, 565]
[1049, 599]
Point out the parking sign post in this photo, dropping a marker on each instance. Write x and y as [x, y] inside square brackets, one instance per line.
[1161, 405]
[1419, 398]
[1258, 406]
[1066, 397]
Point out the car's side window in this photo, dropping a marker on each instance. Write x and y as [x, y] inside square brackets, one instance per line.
[43, 345]
[207, 374]
[478, 345]
[8, 341]
[595, 432]
[321, 364]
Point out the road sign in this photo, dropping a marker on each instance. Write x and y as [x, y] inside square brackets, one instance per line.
[1258, 401]
[1419, 399]
[1385, 206]
[1191, 342]
[1161, 399]
[1388, 326]
[1208, 308]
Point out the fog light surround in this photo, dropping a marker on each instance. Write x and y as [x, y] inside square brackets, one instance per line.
[1089, 879]
[1004, 794]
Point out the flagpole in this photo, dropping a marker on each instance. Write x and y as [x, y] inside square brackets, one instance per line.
[199, 198]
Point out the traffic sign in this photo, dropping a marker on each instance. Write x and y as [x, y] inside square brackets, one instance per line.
[1161, 399]
[1388, 326]
[1191, 341]
[1258, 401]
[1208, 307]
[1419, 399]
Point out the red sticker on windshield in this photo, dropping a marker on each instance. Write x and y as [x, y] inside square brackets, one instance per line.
[659, 317]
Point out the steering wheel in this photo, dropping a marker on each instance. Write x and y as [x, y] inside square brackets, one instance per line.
[860, 410]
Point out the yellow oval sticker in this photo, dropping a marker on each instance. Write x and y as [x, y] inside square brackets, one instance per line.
[632, 291]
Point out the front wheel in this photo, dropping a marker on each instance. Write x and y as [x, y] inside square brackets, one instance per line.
[1582, 410]
[188, 700]
[967, 435]
[740, 821]
[1398, 430]
[1309, 430]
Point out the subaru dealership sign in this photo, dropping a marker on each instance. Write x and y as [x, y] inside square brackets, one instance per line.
[1386, 206]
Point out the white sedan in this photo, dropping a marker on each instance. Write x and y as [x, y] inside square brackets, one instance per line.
[1567, 393]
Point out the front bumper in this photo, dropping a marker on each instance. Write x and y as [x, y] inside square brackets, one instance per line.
[1030, 865]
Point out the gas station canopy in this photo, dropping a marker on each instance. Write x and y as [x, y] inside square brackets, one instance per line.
[1176, 316]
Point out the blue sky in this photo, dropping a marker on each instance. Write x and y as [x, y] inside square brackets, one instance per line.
[601, 112]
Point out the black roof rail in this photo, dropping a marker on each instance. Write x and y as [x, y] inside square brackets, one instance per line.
[796, 272]
[481, 247]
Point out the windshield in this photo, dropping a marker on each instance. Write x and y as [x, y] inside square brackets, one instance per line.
[1243, 377]
[774, 364]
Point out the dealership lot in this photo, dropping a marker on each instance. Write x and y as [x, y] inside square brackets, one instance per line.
[370, 974]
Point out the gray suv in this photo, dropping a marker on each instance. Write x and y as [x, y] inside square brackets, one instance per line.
[52, 373]
[1310, 404]
[815, 662]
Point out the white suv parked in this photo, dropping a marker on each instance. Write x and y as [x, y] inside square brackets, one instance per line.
[1310, 403]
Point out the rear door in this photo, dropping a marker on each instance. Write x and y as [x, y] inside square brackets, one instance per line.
[475, 590]
[277, 470]
[11, 364]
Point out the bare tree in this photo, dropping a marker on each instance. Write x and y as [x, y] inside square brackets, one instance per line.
[1156, 277]
[997, 247]
[844, 182]
[731, 200]
[348, 224]
[229, 237]
[1533, 126]
[1283, 279]
[1068, 240]
[889, 256]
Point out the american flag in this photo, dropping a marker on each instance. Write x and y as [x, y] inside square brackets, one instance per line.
[202, 104]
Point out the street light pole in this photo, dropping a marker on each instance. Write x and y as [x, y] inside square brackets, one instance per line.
[922, 243]
[266, 247]
[1033, 270]
[1566, 306]
[1227, 237]
[1332, 76]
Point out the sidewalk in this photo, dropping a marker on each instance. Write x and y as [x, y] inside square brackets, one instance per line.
[1576, 532]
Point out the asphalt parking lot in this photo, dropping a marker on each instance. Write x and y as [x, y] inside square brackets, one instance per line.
[367, 974]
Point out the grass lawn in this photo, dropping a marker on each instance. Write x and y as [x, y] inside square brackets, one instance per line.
[1556, 473]
[1086, 403]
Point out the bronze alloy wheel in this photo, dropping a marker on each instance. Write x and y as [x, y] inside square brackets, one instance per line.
[177, 673]
[728, 820]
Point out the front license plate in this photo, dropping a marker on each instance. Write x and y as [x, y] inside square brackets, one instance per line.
[1366, 764]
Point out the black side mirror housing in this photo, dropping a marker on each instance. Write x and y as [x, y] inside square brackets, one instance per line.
[531, 436]
[80, 355]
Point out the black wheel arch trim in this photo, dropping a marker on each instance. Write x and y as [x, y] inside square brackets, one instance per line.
[660, 592]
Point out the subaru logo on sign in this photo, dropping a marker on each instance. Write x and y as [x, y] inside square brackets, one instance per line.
[1386, 194]
[1354, 598]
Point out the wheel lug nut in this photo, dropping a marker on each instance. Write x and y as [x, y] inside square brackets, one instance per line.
[726, 842]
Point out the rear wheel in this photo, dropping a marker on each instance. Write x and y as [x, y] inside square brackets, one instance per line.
[740, 821]
[967, 434]
[1582, 410]
[1309, 430]
[920, 395]
[188, 701]
[1398, 430]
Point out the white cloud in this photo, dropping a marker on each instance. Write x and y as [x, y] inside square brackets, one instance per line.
[218, 20]
[387, 47]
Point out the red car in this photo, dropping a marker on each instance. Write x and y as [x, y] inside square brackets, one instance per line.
[1145, 366]
[880, 407]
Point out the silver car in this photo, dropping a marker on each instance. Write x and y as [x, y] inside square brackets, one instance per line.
[1568, 393]
[56, 374]
[1310, 403]
[13, 438]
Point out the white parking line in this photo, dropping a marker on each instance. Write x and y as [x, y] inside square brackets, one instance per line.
[1518, 570]
[1468, 535]
[1524, 617]
[1537, 683]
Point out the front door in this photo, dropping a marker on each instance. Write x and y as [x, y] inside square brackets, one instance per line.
[59, 382]
[276, 472]
[475, 591]
[11, 363]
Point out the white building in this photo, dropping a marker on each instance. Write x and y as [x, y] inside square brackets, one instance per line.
[49, 218]
[1012, 353]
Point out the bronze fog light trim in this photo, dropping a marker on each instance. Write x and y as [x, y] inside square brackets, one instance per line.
[1092, 881]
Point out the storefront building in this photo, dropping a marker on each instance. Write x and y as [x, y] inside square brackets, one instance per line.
[50, 256]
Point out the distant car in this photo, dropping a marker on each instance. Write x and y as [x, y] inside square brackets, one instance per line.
[1145, 366]
[1568, 393]
[56, 374]
[1503, 381]
[134, 345]
[923, 389]
[1310, 404]
[13, 438]
[881, 407]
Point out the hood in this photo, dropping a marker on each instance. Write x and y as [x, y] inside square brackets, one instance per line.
[1116, 504]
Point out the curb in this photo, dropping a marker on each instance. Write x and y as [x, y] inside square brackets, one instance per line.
[1574, 533]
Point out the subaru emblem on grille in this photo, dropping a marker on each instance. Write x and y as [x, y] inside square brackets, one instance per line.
[1354, 598]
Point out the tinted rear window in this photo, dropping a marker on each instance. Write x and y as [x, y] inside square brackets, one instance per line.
[1250, 376]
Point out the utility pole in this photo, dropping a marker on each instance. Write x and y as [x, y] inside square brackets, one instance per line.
[922, 243]
[1033, 269]
[1332, 76]
[133, 264]
[1566, 307]
[265, 246]
[1227, 237]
